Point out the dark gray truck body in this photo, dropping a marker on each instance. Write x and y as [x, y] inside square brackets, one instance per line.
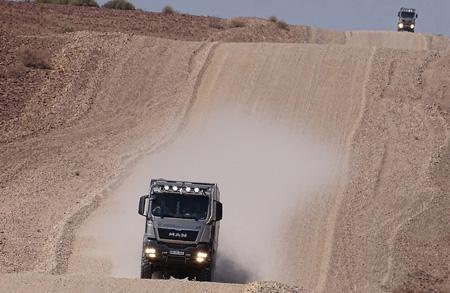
[181, 229]
[407, 19]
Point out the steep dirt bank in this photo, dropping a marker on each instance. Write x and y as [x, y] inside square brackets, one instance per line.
[369, 107]
[49, 181]
[389, 234]
[385, 114]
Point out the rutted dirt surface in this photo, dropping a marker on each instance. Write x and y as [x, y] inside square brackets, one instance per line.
[71, 283]
[379, 101]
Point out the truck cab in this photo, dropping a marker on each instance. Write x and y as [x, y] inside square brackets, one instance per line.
[407, 19]
[181, 229]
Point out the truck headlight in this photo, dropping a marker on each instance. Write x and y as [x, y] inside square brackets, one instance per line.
[400, 25]
[150, 252]
[412, 25]
[201, 256]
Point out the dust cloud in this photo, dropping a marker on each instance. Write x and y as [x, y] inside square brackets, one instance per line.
[262, 170]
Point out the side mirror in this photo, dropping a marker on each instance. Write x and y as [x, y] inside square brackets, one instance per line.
[219, 210]
[417, 15]
[142, 204]
[398, 14]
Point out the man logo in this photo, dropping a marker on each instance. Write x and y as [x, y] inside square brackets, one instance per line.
[178, 234]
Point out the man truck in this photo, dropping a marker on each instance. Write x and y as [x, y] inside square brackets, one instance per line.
[407, 20]
[181, 229]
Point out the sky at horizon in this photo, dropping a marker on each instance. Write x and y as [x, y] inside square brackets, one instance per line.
[331, 14]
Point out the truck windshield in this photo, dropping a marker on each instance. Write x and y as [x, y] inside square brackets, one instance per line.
[408, 14]
[180, 206]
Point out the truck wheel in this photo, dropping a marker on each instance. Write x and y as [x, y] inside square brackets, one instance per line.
[146, 268]
[161, 275]
[204, 275]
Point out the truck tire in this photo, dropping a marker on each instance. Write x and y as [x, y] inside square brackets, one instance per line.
[146, 268]
[160, 275]
[204, 275]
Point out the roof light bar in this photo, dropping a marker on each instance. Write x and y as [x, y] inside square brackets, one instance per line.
[181, 187]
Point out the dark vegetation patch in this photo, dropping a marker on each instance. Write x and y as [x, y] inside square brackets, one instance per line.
[68, 29]
[217, 25]
[35, 58]
[273, 19]
[119, 4]
[279, 23]
[92, 3]
[234, 23]
[282, 25]
[168, 10]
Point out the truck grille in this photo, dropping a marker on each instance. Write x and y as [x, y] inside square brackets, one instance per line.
[183, 235]
[179, 246]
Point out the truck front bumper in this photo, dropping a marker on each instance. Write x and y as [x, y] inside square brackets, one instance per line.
[406, 27]
[411, 30]
[163, 254]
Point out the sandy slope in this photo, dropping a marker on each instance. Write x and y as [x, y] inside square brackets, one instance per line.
[297, 86]
[377, 223]
[68, 166]
[372, 107]
[364, 105]
[399, 141]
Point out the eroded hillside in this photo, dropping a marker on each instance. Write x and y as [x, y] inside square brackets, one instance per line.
[378, 102]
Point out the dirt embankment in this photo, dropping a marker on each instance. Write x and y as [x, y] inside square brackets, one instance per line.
[44, 27]
[384, 113]
[64, 169]
[379, 222]
[389, 229]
